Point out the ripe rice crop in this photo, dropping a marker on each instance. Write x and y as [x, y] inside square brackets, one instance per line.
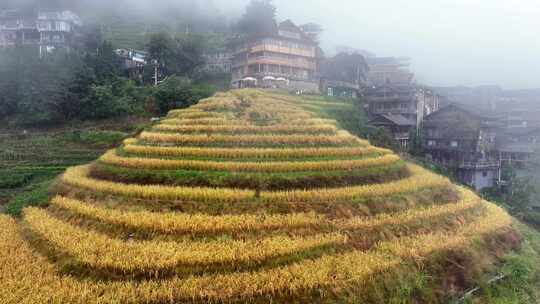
[219, 104]
[188, 223]
[130, 141]
[277, 114]
[202, 121]
[420, 179]
[239, 122]
[311, 121]
[99, 251]
[32, 279]
[187, 110]
[340, 139]
[78, 177]
[494, 220]
[468, 201]
[194, 115]
[281, 129]
[238, 153]
[178, 223]
[29, 278]
[109, 240]
[111, 158]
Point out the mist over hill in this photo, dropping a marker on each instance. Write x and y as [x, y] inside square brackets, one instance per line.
[200, 14]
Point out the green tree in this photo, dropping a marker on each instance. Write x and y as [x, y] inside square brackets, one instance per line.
[519, 195]
[9, 84]
[180, 56]
[57, 86]
[189, 50]
[41, 84]
[105, 63]
[178, 92]
[416, 141]
[259, 18]
[103, 103]
[160, 47]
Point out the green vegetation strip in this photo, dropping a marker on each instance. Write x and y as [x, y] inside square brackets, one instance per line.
[268, 181]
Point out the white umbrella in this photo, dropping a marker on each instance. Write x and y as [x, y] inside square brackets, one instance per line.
[249, 79]
[269, 78]
[281, 79]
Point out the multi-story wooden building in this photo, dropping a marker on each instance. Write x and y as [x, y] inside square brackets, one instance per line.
[286, 57]
[46, 30]
[400, 109]
[518, 146]
[389, 70]
[133, 62]
[217, 62]
[463, 139]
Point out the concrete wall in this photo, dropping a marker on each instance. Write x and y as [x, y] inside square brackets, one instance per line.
[479, 179]
[485, 179]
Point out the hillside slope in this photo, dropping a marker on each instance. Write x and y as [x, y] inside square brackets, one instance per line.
[250, 197]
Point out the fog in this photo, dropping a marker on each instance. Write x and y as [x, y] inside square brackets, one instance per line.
[451, 42]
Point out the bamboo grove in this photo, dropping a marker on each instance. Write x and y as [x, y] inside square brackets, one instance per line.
[144, 223]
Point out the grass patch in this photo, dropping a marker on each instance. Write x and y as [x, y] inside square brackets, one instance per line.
[12, 181]
[30, 159]
[261, 181]
[97, 138]
[351, 116]
[522, 274]
[37, 197]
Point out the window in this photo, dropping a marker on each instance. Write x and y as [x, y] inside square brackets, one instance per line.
[484, 173]
[430, 132]
[432, 143]
[454, 144]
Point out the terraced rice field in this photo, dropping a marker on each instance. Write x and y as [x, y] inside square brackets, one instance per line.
[245, 197]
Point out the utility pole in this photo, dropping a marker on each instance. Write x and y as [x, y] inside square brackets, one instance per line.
[155, 75]
[155, 63]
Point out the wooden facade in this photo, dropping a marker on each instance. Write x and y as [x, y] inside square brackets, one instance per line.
[463, 140]
[404, 105]
[46, 30]
[285, 58]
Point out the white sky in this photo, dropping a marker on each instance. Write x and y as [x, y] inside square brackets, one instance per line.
[451, 42]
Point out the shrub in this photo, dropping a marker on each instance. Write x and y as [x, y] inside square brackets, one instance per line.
[36, 197]
[179, 92]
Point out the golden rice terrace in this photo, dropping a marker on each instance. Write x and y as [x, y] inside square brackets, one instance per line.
[250, 197]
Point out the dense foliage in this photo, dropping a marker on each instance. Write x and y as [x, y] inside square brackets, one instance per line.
[260, 17]
[82, 85]
[520, 194]
[180, 55]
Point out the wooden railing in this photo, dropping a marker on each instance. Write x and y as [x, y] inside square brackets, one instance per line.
[479, 164]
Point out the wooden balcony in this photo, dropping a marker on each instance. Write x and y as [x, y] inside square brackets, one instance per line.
[401, 136]
[390, 98]
[301, 64]
[479, 165]
[394, 111]
[282, 50]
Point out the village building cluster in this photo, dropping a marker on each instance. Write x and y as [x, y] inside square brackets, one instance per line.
[46, 30]
[479, 144]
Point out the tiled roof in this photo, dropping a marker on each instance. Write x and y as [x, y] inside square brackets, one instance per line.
[396, 119]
